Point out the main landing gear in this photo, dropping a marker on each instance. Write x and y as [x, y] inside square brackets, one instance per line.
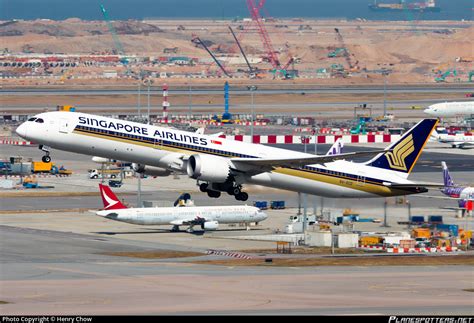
[46, 158]
[236, 191]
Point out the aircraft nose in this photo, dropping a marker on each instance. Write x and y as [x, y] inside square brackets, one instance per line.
[428, 111]
[22, 130]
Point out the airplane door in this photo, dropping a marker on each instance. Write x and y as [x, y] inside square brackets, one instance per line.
[63, 125]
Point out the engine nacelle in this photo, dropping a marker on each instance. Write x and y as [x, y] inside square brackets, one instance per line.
[208, 168]
[210, 225]
[150, 170]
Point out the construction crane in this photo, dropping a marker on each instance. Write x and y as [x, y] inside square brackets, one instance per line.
[251, 69]
[271, 54]
[197, 40]
[442, 77]
[254, 10]
[345, 52]
[118, 44]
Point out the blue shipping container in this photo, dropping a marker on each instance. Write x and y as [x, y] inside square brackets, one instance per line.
[417, 219]
[262, 205]
[435, 218]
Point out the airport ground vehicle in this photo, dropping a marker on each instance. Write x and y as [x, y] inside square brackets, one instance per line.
[105, 173]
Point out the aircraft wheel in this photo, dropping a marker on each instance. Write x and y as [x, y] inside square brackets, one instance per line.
[203, 187]
[46, 159]
[242, 196]
[214, 194]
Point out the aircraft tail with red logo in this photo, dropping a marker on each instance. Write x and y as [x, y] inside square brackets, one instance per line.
[110, 200]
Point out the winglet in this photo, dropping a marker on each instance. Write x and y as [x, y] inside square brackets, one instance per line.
[110, 200]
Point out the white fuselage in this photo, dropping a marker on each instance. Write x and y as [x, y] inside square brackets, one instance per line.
[164, 147]
[451, 109]
[184, 215]
[456, 140]
[467, 194]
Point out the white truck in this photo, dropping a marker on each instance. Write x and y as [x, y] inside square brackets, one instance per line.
[105, 173]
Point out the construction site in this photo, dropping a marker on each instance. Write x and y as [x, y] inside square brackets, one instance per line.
[75, 52]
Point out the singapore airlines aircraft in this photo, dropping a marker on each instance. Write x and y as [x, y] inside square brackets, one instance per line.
[221, 165]
[208, 217]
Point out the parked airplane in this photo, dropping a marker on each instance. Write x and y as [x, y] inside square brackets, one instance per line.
[456, 141]
[461, 193]
[451, 109]
[208, 217]
[221, 165]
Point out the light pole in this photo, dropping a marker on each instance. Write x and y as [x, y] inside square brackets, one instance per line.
[148, 103]
[385, 73]
[190, 101]
[252, 88]
[139, 103]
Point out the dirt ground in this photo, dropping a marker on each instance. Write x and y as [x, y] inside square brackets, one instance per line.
[412, 50]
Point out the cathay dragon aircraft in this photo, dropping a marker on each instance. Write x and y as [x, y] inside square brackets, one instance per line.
[221, 165]
[208, 217]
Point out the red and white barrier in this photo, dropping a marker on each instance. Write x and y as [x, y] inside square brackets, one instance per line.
[369, 247]
[36, 175]
[330, 139]
[15, 142]
[228, 254]
[422, 250]
[409, 250]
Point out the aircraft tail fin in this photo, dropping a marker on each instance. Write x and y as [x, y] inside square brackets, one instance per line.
[402, 155]
[448, 181]
[110, 200]
[336, 148]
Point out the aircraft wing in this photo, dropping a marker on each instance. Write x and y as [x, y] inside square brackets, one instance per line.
[265, 164]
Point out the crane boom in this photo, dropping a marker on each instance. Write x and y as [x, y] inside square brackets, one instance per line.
[241, 50]
[118, 45]
[212, 55]
[254, 10]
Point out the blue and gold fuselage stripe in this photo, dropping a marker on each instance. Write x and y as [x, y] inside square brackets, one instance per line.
[345, 179]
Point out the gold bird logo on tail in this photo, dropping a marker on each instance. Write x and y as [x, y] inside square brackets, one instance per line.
[396, 157]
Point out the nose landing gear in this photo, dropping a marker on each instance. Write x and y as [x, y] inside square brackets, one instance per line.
[46, 158]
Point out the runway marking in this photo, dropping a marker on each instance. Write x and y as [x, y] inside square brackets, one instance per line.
[108, 275]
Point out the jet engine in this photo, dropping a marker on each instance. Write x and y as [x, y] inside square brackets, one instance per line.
[208, 168]
[150, 170]
[210, 225]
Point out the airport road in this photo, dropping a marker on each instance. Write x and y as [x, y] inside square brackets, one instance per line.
[263, 89]
[340, 110]
[59, 273]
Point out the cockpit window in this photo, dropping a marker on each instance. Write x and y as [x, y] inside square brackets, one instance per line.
[31, 119]
[39, 120]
